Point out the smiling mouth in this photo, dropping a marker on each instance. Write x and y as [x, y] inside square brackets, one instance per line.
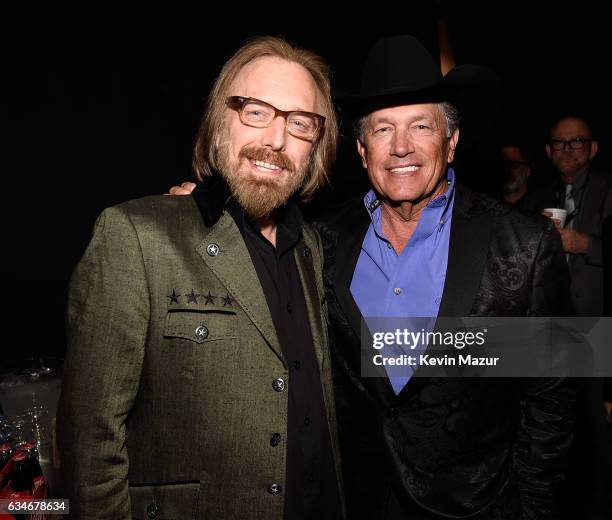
[404, 169]
[265, 167]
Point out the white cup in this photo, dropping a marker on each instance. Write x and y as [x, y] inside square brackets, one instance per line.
[556, 214]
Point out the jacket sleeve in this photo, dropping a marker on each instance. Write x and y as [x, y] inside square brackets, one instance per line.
[546, 404]
[594, 253]
[108, 315]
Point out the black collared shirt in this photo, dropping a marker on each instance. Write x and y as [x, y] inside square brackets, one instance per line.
[311, 489]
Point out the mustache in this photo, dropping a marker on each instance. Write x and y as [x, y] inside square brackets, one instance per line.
[255, 153]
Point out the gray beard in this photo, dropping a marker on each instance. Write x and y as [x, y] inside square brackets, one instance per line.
[259, 197]
[512, 186]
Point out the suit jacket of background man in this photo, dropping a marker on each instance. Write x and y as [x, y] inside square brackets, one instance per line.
[168, 405]
[586, 270]
[454, 446]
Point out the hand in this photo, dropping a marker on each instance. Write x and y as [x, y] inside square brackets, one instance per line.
[574, 241]
[608, 408]
[184, 189]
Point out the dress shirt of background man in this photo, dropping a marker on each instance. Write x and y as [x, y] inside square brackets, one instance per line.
[422, 244]
[197, 380]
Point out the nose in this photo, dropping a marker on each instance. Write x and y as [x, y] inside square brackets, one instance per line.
[401, 145]
[275, 135]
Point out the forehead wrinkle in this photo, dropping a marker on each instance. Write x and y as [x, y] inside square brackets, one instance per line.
[386, 118]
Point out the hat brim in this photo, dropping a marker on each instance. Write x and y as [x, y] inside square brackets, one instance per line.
[475, 91]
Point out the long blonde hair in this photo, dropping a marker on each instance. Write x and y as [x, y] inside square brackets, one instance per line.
[205, 157]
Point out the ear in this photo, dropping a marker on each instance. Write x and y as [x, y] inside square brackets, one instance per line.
[362, 151]
[452, 145]
[594, 149]
[548, 151]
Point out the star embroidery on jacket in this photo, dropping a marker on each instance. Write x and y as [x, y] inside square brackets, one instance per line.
[227, 300]
[174, 298]
[192, 297]
[209, 298]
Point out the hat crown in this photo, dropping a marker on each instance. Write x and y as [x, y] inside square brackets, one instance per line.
[398, 64]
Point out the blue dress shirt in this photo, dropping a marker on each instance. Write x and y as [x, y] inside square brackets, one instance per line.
[388, 285]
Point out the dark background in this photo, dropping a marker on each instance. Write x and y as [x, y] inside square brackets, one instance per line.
[101, 107]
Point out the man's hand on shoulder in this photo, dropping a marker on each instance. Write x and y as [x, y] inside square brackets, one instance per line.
[184, 189]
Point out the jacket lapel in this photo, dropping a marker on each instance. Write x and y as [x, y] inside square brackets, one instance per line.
[350, 239]
[225, 253]
[467, 255]
[352, 231]
[591, 205]
[304, 260]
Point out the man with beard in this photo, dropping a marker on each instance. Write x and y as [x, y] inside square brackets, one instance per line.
[197, 380]
[516, 170]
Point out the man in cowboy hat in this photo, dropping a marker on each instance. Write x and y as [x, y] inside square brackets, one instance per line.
[420, 243]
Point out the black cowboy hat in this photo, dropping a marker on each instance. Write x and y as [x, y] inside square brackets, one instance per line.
[400, 71]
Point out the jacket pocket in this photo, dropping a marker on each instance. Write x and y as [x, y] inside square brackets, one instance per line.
[178, 501]
[200, 326]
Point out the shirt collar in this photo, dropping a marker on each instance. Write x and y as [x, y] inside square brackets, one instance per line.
[580, 179]
[372, 202]
[213, 196]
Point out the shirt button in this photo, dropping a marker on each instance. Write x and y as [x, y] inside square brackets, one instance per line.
[307, 421]
[278, 384]
[275, 489]
[289, 308]
[275, 439]
[297, 365]
[397, 291]
[389, 245]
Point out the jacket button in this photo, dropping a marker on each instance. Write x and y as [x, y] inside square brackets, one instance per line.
[201, 331]
[306, 252]
[275, 439]
[151, 511]
[275, 489]
[278, 384]
[212, 249]
[393, 413]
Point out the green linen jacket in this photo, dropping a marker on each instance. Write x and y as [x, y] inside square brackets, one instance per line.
[168, 403]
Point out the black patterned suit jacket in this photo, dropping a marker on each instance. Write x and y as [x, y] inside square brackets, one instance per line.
[454, 447]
